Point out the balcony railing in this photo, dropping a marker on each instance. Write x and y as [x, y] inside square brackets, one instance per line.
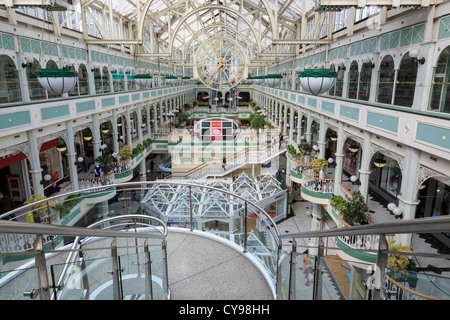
[315, 184]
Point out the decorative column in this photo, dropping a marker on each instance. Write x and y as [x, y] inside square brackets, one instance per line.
[285, 120]
[147, 122]
[364, 170]
[128, 128]
[72, 156]
[339, 156]
[291, 124]
[115, 132]
[139, 123]
[299, 128]
[96, 138]
[35, 164]
[308, 132]
[155, 117]
[322, 134]
[22, 73]
[408, 190]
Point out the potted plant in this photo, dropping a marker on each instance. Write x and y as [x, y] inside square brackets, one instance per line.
[256, 121]
[40, 210]
[105, 162]
[318, 164]
[355, 210]
[147, 142]
[125, 152]
[398, 262]
[291, 150]
[305, 148]
[338, 202]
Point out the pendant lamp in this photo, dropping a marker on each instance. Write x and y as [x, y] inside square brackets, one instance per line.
[170, 80]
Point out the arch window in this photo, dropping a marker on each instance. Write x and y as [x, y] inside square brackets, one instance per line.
[98, 81]
[9, 81]
[386, 80]
[353, 81]
[51, 65]
[406, 82]
[440, 93]
[105, 80]
[364, 82]
[36, 91]
[83, 87]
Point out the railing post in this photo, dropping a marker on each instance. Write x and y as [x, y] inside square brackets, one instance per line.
[148, 273]
[381, 264]
[117, 287]
[41, 264]
[245, 226]
[292, 273]
[191, 218]
[317, 291]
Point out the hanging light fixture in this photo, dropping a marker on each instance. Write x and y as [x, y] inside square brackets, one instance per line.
[61, 147]
[106, 130]
[87, 138]
[186, 79]
[250, 79]
[273, 80]
[333, 137]
[143, 80]
[380, 163]
[317, 81]
[353, 148]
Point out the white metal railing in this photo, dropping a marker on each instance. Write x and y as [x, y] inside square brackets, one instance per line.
[87, 183]
[122, 166]
[315, 184]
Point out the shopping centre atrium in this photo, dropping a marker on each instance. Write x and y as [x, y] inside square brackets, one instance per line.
[246, 149]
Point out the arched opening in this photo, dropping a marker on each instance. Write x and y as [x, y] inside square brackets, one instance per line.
[406, 82]
[83, 87]
[440, 93]
[105, 80]
[353, 77]
[385, 177]
[364, 81]
[98, 81]
[386, 80]
[36, 91]
[9, 81]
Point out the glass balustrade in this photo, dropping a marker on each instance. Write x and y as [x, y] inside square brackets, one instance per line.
[98, 266]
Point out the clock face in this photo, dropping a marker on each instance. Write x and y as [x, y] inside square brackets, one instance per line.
[220, 63]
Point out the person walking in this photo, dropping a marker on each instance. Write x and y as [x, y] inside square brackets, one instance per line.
[224, 163]
[281, 140]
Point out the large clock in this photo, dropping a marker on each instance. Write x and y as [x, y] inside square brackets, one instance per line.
[220, 62]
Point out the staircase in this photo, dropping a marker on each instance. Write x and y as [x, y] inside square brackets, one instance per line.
[250, 155]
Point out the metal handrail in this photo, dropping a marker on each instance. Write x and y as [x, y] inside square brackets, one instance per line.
[422, 225]
[144, 184]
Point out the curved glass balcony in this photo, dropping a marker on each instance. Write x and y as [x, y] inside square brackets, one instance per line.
[110, 258]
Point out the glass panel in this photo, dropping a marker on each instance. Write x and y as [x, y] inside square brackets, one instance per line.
[135, 274]
[9, 81]
[406, 82]
[85, 280]
[386, 80]
[15, 285]
[411, 285]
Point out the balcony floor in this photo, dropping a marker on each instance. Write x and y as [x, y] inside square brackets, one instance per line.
[204, 269]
